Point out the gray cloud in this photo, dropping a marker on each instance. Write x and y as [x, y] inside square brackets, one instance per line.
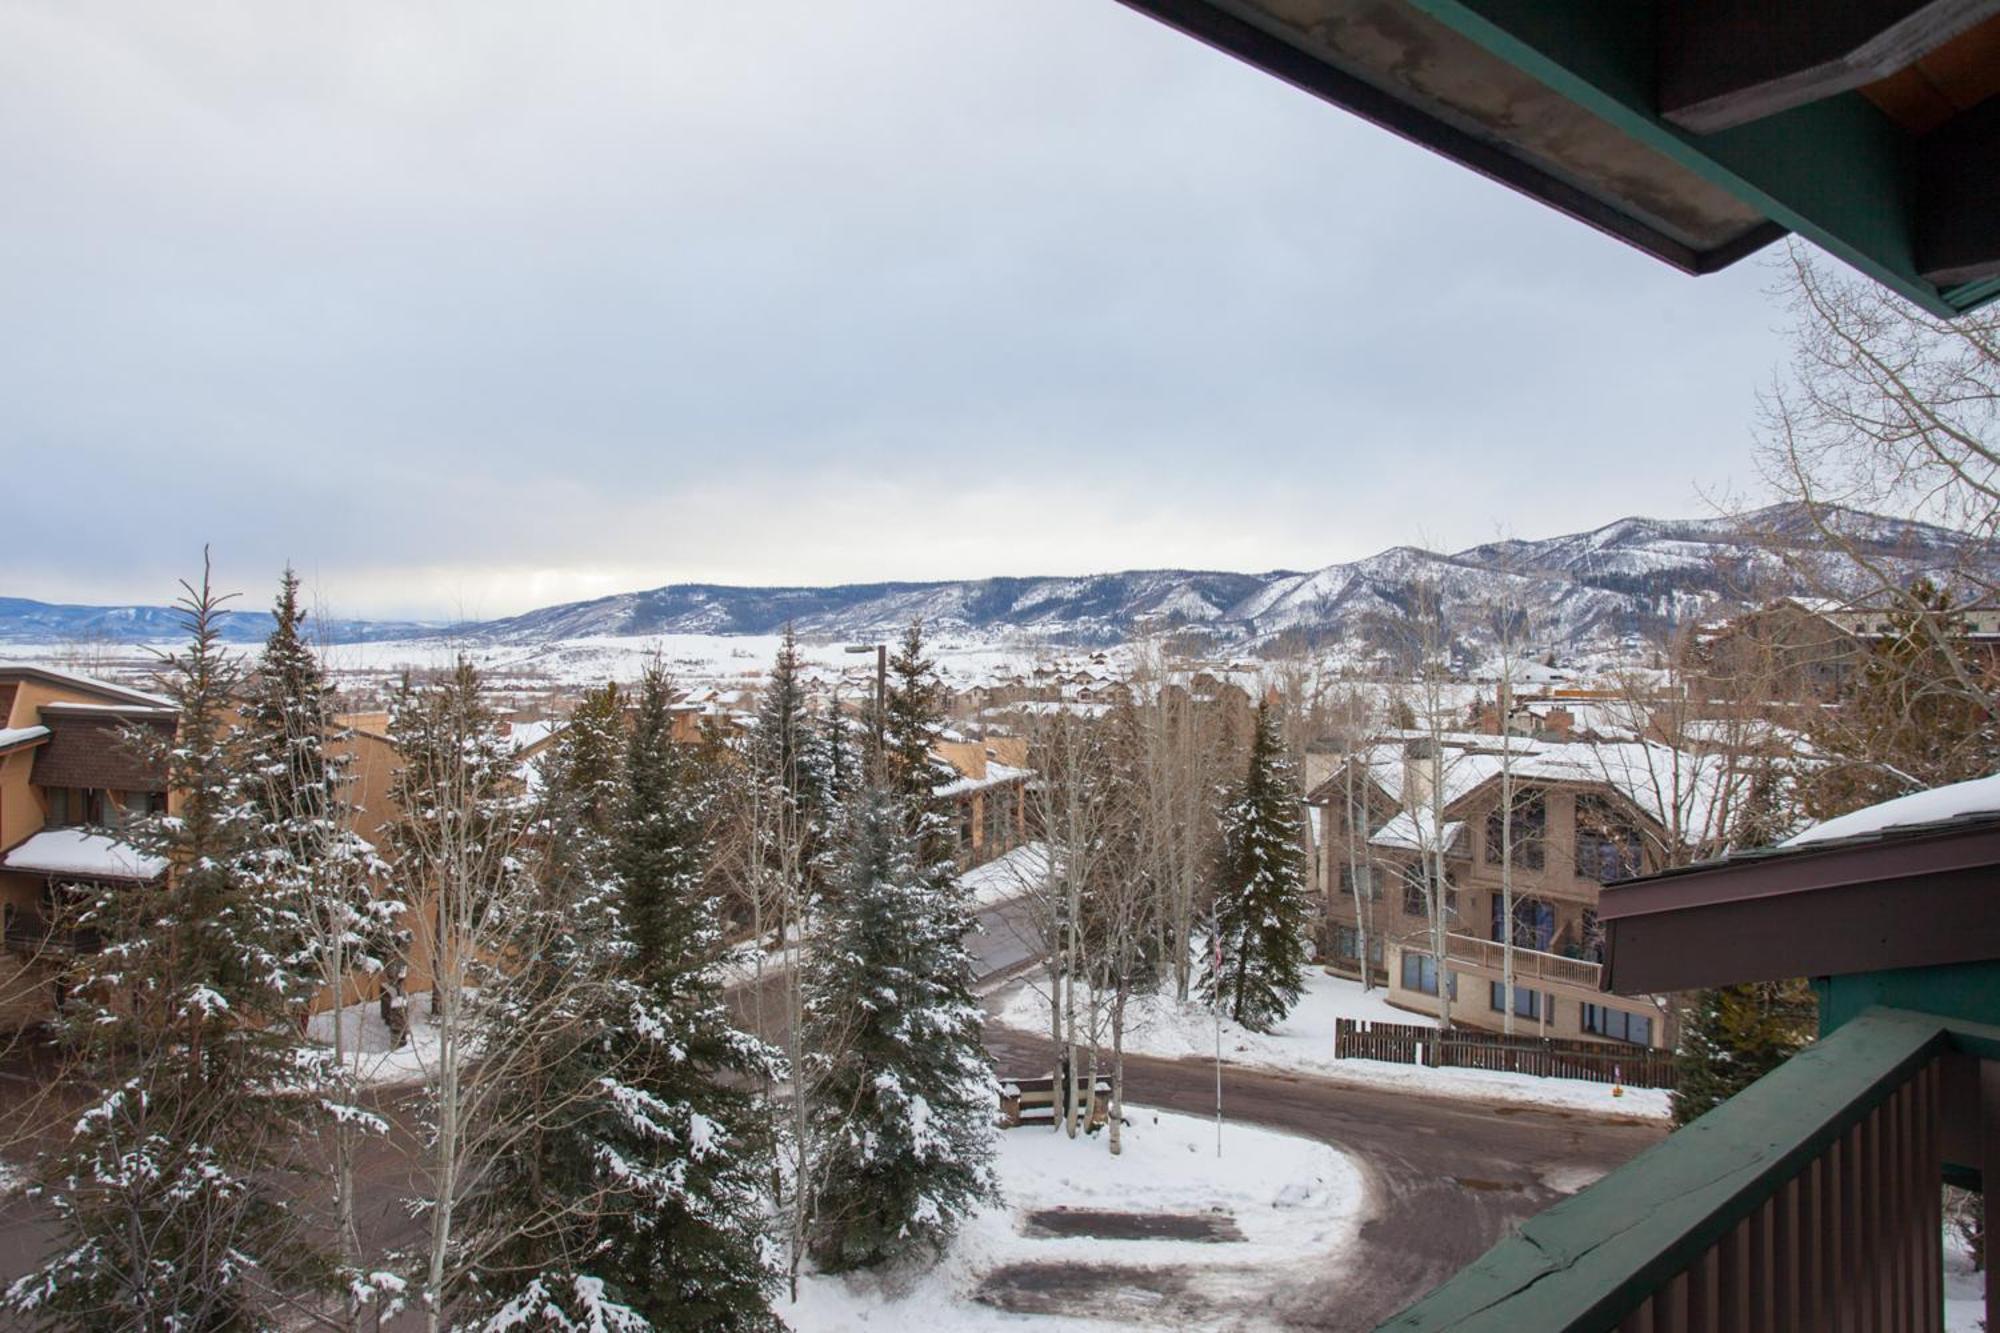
[466, 307]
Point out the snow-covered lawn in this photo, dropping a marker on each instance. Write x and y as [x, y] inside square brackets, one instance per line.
[1303, 1043]
[1964, 1286]
[368, 1044]
[1297, 1203]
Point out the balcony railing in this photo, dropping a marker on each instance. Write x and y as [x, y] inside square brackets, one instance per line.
[1811, 1200]
[1530, 965]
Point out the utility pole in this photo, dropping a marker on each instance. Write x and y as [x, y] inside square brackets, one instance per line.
[881, 692]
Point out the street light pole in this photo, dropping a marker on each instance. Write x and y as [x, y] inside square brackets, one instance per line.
[881, 651]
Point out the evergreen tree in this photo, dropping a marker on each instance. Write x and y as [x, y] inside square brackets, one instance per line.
[694, 1256]
[1262, 906]
[1732, 1036]
[782, 746]
[913, 724]
[904, 1101]
[319, 872]
[168, 1194]
[303, 845]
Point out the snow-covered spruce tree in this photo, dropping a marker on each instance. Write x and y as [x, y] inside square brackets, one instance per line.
[904, 1104]
[168, 1194]
[904, 1109]
[695, 1256]
[321, 874]
[1262, 906]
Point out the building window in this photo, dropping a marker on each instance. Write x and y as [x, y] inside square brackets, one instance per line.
[73, 806]
[1420, 974]
[1414, 898]
[1531, 818]
[1618, 1025]
[1366, 874]
[1607, 847]
[1347, 944]
[996, 822]
[1527, 1003]
[1534, 923]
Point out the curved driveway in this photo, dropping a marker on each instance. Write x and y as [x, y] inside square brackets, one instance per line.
[1447, 1177]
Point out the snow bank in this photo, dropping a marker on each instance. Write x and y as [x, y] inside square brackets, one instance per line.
[1293, 1199]
[1303, 1043]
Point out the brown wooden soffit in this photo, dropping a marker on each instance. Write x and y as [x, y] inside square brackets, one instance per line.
[1919, 900]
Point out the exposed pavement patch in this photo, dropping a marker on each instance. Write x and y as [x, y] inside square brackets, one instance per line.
[1107, 1224]
[1158, 1297]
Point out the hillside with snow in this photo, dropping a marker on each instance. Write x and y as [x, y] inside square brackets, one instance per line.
[1590, 589]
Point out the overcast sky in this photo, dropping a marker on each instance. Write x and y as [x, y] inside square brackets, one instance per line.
[465, 309]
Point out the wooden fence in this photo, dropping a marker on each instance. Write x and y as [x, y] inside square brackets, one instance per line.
[1464, 1048]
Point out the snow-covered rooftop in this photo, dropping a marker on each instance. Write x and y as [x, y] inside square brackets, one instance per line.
[1410, 831]
[996, 774]
[1682, 791]
[87, 682]
[84, 853]
[12, 736]
[1980, 796]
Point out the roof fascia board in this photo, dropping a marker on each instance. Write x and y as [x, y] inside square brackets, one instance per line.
[1222, 25]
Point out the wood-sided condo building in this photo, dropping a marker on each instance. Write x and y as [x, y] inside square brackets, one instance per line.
[70, 777]
[1584, 813]
[1811, 1199]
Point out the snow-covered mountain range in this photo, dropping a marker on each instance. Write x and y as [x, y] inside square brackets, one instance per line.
[1589, 588]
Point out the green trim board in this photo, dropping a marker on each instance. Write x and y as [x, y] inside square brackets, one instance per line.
[1837, 172]
[1967, 992]
[1584, 1264]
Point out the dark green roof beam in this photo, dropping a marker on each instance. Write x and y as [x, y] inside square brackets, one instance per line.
[1728, 62]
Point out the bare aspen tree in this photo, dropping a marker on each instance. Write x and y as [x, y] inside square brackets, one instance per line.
[1179, 776]
[1074, 805]
[1511, 622]
[1896, 411]
[457, 850]
[1433, 640]
[1352, 721]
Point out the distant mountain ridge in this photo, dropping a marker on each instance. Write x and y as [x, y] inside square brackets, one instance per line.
[1595, 587]
[25, 621]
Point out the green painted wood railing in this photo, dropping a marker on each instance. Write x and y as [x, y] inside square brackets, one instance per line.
[1589, 1262]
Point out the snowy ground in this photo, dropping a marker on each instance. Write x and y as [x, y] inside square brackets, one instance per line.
[1303, 1043]
[369, 1045]
[1964, 1287]
[1296, 1203]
